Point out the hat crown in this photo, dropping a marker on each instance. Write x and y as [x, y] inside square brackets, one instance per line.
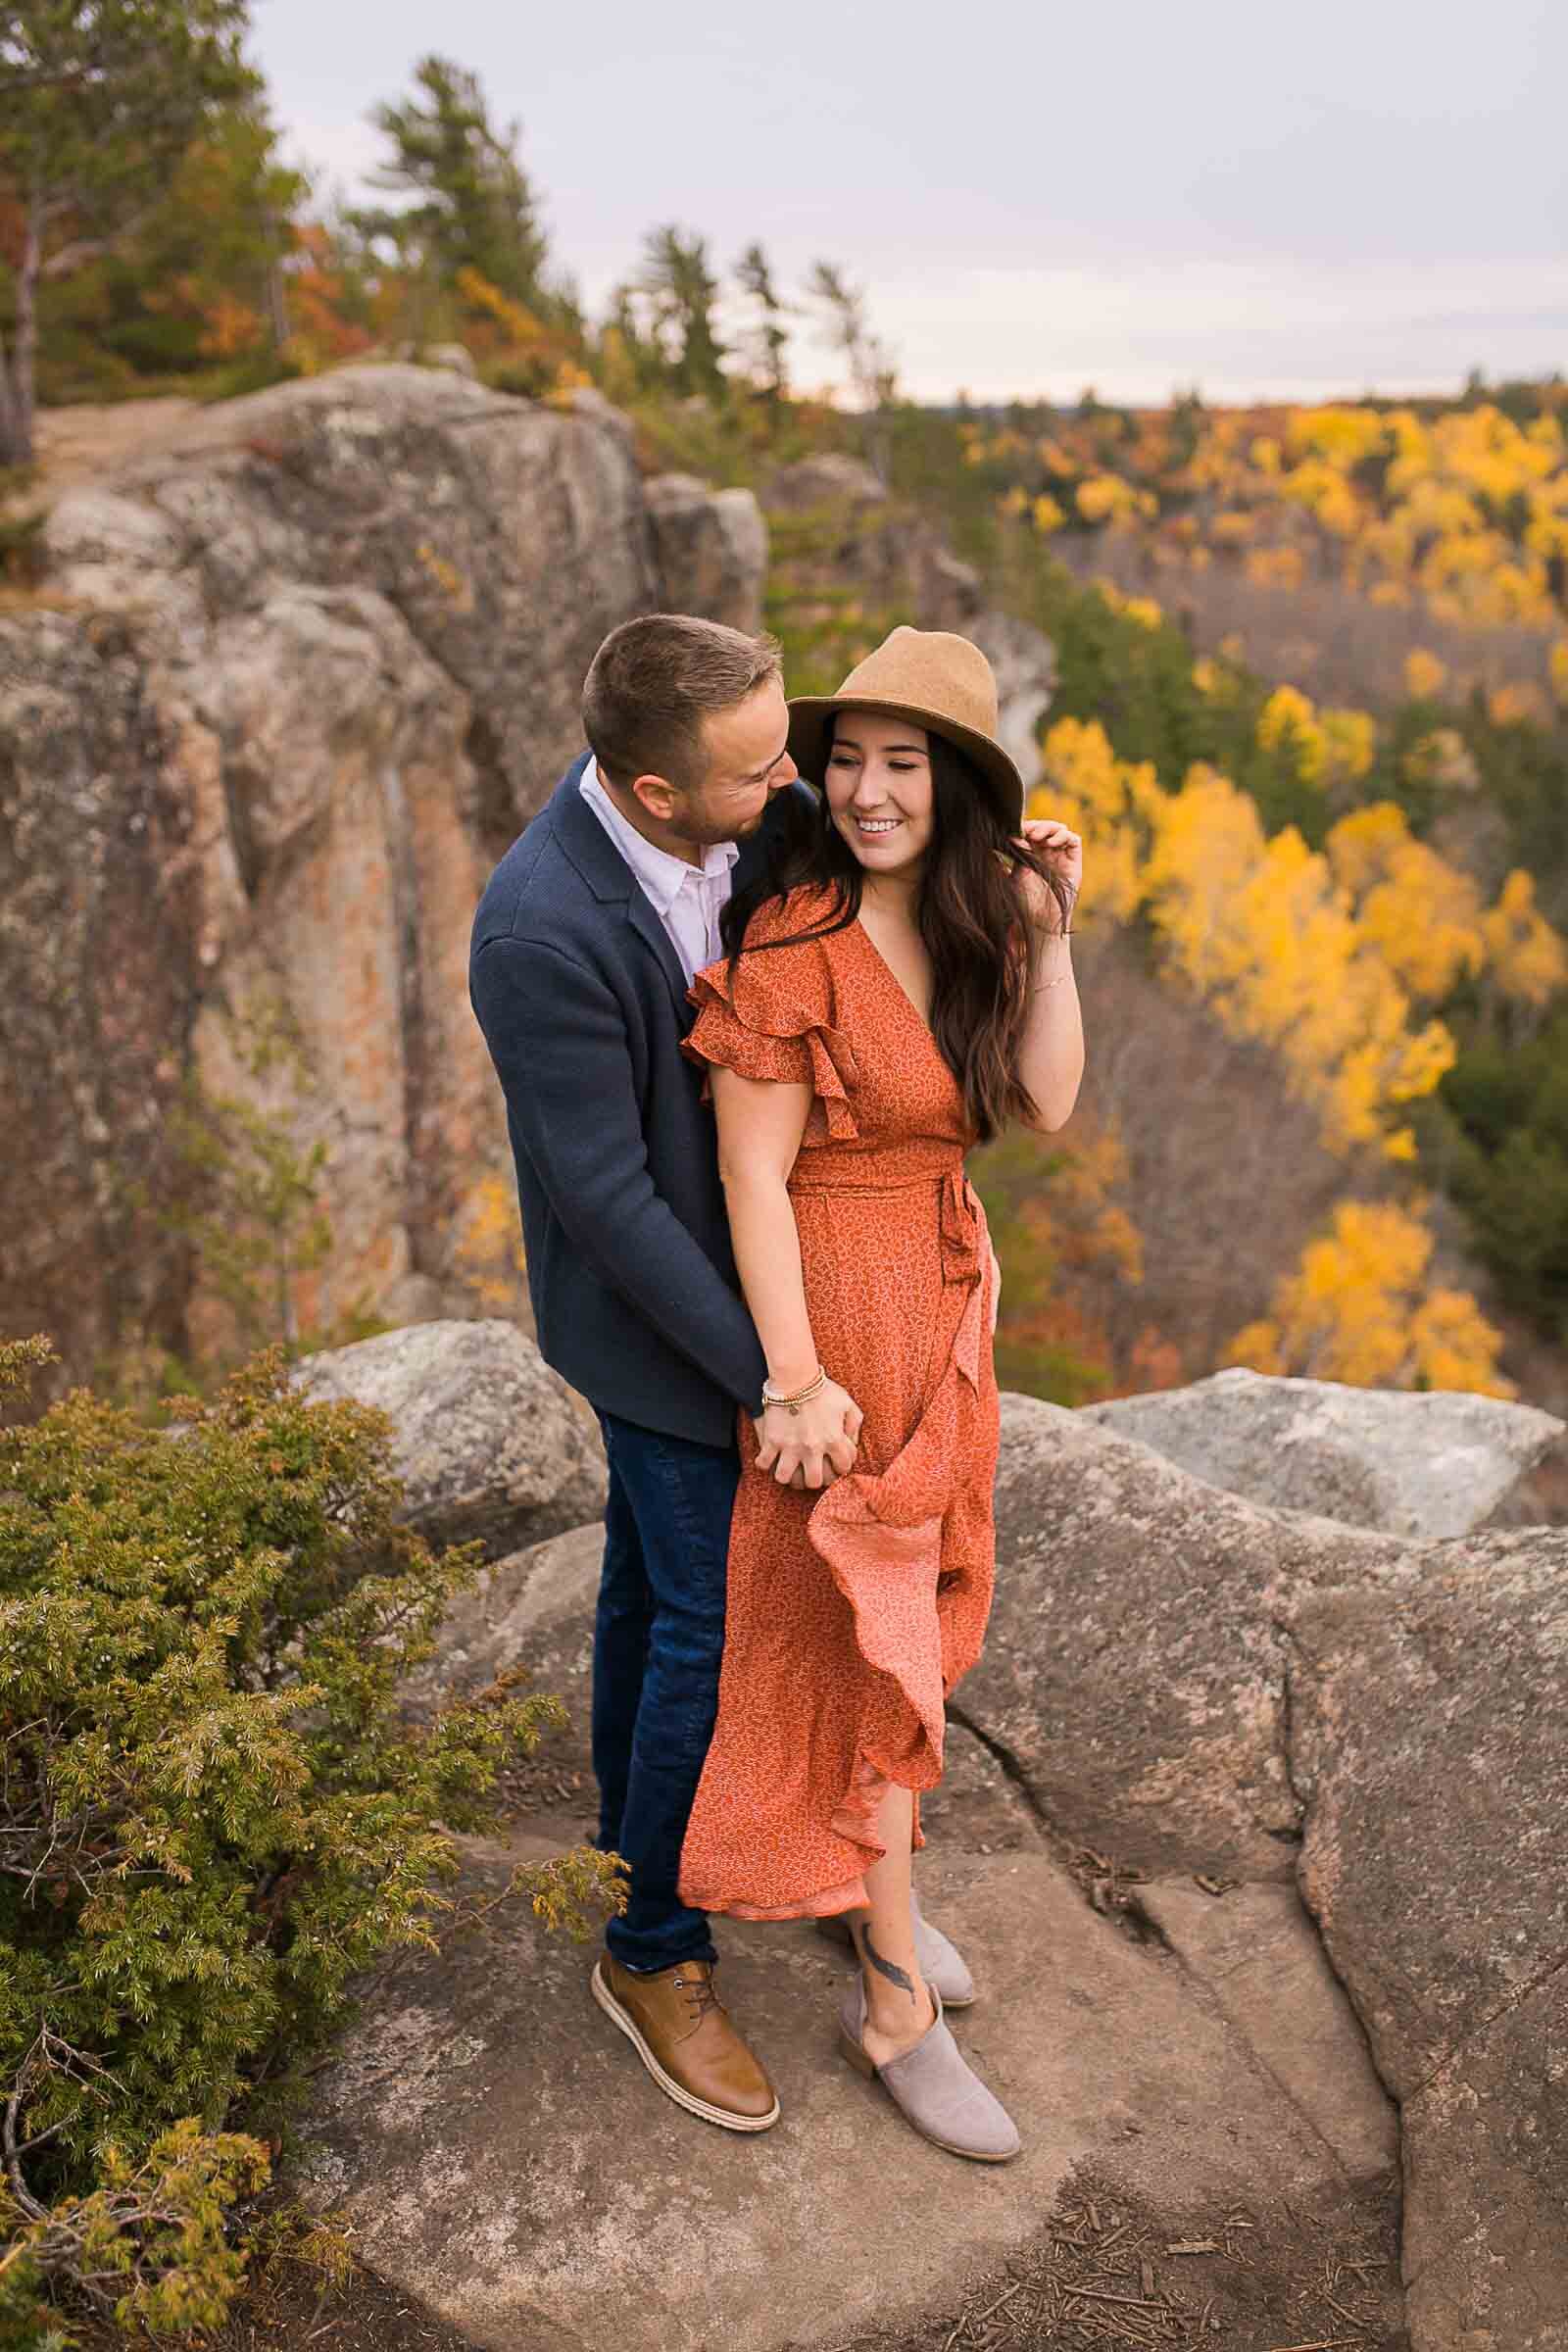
[932, 670]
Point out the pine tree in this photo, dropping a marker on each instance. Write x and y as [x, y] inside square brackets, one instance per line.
[475, 205]
[766, 341]
[678, 287]
[846, 324]
[99, 102]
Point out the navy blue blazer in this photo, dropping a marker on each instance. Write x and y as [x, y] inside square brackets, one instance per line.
[582, 1000]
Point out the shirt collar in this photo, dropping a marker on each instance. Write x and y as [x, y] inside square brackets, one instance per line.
[660, 872]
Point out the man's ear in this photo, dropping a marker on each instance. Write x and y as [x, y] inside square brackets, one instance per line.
[658, 796]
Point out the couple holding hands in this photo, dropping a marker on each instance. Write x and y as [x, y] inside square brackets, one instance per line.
[755, 980]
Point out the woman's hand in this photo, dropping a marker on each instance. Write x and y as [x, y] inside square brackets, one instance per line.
[815, 1443]
[1062, 851]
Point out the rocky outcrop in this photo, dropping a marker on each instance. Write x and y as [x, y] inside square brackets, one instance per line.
[847, 485]
[101, 977]
[1184, 1680]
[1025, 664]
[835, 521]
[1437, 1464]
[488, 1442]
[1208, 1710]
[1134, 1666]
[1427, 1746]
[455, 355]
[709, 548]
[500, 2155]
[293, 682]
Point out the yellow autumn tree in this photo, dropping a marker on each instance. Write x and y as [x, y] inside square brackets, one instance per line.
[1287, 723]
[1421, 914]
[1424, 674]
[1261, 928]
[1465, 513]
[1113, 803]
[1356, 1310]
[1528, 957]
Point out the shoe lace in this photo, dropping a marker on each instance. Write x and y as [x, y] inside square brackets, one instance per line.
[699, 1992]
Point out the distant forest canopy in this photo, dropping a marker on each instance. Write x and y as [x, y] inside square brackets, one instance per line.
[1312, 695]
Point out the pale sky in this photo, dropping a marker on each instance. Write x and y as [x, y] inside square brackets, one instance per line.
[1345, 196]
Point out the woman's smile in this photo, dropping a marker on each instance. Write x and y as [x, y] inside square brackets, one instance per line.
[872, 753]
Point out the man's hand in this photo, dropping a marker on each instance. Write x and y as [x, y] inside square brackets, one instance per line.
[815, 1443]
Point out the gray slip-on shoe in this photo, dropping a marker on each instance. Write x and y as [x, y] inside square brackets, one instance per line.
[934, 2087]
[941, 1964]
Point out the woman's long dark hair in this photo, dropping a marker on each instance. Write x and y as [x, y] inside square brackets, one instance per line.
[972, 915]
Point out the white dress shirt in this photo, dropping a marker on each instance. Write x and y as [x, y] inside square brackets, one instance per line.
[687, 899]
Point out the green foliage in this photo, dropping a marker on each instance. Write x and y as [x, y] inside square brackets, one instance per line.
[1138, 682]
[1524, 771]
[1505, 1157]
[100, 99]
[148, 2245]
[765, 345]
[248, 1197]
[1034, 1343]
[677, 293]
[212, 1813]
[823, 627]
[845, 321]
[252, 1212]
[474, 205]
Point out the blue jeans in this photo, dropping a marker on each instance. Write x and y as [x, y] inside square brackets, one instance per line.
[659, 1636]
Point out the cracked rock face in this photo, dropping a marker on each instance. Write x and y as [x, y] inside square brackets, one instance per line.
[1430, 1738]
[100, 975]
[711, 547]
[1133, 1666]
[316, 663]
[1188, 1682]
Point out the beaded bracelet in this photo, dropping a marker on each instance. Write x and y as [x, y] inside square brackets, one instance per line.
[793, 1404]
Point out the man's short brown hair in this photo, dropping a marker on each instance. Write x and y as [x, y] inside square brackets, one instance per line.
[652, 683]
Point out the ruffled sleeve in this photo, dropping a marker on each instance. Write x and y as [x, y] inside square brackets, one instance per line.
[770, 1017]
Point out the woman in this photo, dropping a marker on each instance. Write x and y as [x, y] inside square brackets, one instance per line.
[897, 990]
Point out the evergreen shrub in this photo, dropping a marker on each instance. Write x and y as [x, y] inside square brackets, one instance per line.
[213, 1816]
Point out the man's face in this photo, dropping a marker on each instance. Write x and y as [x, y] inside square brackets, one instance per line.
[746, 763]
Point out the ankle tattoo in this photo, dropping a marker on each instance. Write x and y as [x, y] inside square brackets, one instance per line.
[885, 1968]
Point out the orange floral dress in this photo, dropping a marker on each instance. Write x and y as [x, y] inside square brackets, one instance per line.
[852, 1611]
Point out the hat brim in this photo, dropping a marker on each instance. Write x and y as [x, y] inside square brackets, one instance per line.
[811, 716]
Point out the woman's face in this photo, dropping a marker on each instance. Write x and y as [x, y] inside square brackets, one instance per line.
[879, 791]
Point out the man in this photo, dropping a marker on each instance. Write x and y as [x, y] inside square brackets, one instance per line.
[583, 949]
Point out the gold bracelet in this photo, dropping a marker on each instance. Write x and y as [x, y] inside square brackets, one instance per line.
[793, 1404]
[1038, 987]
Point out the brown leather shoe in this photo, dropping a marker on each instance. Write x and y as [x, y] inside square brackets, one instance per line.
[682, 2033]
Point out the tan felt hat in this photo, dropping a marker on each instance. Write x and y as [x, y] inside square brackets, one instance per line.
[941, 682]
